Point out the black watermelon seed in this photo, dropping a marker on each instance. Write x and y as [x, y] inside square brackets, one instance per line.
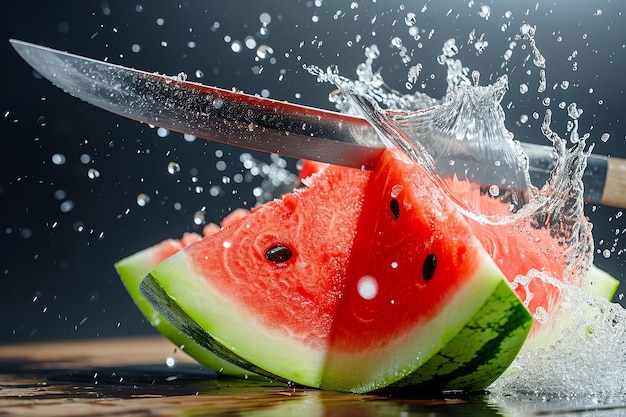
[278, 253]
[428, 267]
[395, 208]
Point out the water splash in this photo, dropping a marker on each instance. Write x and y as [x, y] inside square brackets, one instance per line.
[587, 359]
[462, 141]
[462, 136]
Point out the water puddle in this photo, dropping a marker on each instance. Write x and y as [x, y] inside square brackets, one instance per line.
[157, 390]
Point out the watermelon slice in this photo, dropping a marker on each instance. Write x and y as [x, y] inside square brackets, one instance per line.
[362, 281]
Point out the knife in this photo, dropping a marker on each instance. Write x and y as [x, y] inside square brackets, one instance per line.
[262, 124]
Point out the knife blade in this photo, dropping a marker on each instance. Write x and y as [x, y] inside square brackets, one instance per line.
[262, 124]
[217, 114]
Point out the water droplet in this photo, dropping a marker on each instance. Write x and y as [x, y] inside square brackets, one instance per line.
[143, 199]
[414, 72]
[63, 27]
[573, 111]
[198, 218]
[235, 46]
[523, 88]
[264, 51]
[218, 103]
[605, 137]
[215, 191]
[367, 287]
[484, 12]
[250, 42]
[410, 19]
[162, 132]
[395, 190]
[220, 165]
[541, 315]
[93, 173]
[542, 81]
[265, 18]
[58, 159]
[67, 206]
[494, 190]
[173, 168]
[170, 362]
[480, 46]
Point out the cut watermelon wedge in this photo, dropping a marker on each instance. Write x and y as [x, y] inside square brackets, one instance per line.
[601, 283]
[362, 281]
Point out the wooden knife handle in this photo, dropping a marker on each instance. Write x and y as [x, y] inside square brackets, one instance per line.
[614, 192]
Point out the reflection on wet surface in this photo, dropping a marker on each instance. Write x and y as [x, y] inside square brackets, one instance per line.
[132, 377]
[154, 391]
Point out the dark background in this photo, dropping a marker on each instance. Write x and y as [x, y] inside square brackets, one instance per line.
[56, 264]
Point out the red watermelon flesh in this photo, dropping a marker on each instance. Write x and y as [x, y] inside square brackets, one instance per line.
[318, 268]
[519, 248]
[359, 282]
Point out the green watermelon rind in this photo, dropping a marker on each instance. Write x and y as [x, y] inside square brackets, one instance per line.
[601, 283]
[486, 359]
[131, 271]
[468, 331]
[470, 343]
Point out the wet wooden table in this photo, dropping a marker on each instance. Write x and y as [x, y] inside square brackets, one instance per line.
[149, 377]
